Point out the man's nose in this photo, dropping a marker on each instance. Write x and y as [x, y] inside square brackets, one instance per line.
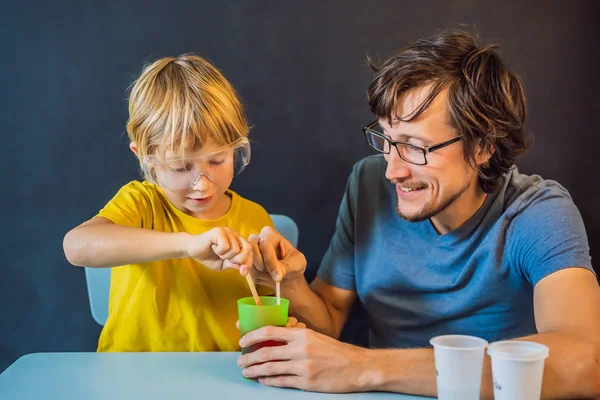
[396, 168]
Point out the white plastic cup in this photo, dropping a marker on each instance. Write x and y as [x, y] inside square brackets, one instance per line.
[458, 365]
[517, 369]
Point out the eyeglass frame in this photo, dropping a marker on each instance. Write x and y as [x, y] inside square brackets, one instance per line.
[426, 150]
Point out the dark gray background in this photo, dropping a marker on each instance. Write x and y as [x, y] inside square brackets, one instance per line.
[300, 69]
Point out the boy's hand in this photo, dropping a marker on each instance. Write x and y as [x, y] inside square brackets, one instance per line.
[291, 323]
[219, 249]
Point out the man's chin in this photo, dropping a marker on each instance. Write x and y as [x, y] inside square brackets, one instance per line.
[413, 217]
[411, 214]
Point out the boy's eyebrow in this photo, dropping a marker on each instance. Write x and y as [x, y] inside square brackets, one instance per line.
[189, 156]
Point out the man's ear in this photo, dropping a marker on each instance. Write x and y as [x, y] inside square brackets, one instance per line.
[133, 147]
[483, 154]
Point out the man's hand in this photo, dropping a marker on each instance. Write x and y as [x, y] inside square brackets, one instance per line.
[291, 323]
[219, 249]
[310, 361]
[275, 259]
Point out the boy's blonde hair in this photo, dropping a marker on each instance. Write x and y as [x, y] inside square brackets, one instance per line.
[178, 104]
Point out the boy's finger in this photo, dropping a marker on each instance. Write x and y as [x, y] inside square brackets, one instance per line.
[228, 264]
[244, 270]
[220, 242]
[233, 245]
[244, 257]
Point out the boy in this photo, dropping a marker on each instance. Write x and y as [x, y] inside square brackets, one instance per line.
[176, 238]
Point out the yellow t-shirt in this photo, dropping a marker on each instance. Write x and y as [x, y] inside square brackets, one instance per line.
[176, 304]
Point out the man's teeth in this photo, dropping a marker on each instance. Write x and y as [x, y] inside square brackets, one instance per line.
[407, 190]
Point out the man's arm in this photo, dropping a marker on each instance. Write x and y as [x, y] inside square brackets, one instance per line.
[322, 307]
[567, 307]
[567, 312]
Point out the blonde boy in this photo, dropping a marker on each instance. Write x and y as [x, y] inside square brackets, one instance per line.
[176, 239]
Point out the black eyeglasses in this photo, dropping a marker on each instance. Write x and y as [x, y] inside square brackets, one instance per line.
[408, 152]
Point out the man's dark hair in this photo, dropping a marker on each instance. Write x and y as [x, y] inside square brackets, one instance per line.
[485, 100]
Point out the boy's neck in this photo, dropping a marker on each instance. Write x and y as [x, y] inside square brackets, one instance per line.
[219, 209]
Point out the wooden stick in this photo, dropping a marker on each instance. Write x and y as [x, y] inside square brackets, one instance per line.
[253, 290]
[278, 283]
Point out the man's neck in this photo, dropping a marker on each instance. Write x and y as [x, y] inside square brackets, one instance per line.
[460, 211]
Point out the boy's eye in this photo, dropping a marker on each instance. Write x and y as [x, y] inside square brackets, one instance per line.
[181, 168]
[217, 162]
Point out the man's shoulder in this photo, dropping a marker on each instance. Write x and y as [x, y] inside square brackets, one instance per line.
[369, 170]
[527, 192]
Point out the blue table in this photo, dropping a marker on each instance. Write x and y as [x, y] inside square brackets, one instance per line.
[145, 376]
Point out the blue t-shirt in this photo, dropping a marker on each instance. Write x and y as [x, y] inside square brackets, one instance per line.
[478, 279]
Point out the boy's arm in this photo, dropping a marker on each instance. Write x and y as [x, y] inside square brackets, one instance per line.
[101, 243]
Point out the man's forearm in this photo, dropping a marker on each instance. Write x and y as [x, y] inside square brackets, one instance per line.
[571, 371]
[573, 368]
[309, 308]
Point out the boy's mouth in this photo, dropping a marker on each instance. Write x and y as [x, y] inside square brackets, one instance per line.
[198, 200]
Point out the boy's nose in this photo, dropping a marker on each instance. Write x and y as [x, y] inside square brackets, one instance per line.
[202, 182]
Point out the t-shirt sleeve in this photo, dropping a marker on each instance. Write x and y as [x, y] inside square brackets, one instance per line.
[547, 234]
[131, 206]
[267, 221]
[337, 266]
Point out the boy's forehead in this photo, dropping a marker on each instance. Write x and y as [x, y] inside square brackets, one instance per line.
[209, 147]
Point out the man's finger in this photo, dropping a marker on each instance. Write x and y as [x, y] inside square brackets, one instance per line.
[268, 354]
[267, 333]
[257, 259]
[284, 381]
[272, 368]
[262, 278]
[268, 248]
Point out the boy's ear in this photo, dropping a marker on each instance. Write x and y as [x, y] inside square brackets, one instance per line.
[133, 147]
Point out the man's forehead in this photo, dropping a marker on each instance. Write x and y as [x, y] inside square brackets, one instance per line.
[411, 101]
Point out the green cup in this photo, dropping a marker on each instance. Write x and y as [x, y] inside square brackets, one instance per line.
[253, 317]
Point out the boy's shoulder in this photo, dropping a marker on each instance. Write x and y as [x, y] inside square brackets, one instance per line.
[248, 206]
[140, 186]
[140, 190]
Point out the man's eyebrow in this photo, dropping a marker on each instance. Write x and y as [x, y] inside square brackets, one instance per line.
[402, 135]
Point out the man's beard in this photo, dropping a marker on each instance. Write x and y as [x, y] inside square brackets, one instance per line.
[429, 210]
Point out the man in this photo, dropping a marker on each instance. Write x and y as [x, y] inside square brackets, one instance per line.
[440, 235]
